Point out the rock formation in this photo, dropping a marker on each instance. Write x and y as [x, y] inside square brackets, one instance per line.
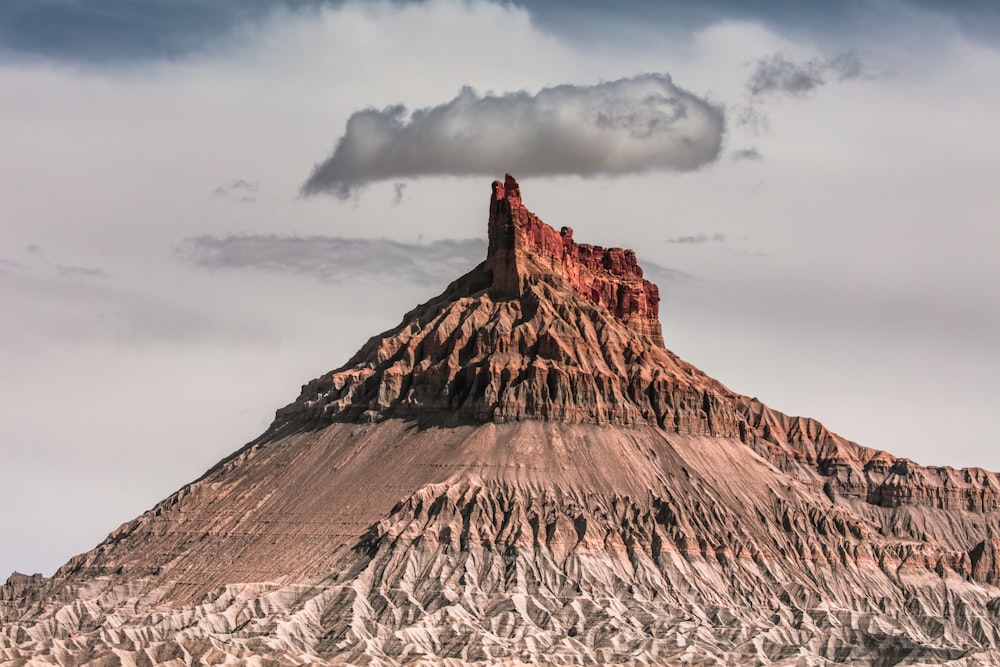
[521, 472]
[523, 248]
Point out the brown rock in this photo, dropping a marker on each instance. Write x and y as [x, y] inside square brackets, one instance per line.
[985, 561]
[521, 472]
[524, 249]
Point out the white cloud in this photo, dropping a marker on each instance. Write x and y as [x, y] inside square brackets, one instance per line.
[625, 126]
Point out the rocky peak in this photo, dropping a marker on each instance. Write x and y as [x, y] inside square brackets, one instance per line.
[518, 474]
[523, 249]
[544, 329]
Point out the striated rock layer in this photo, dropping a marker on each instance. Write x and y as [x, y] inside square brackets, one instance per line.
[520, 472]
[524, 249]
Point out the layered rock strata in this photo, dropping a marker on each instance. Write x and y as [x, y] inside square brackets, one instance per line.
[510, 544]
[523, 250]
[545, 328]
[521, 473]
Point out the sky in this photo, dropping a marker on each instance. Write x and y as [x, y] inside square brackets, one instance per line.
[204, 205]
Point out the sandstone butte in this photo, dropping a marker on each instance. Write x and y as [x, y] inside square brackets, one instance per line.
[522, 473]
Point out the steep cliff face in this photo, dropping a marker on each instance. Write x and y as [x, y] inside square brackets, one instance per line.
[523, 249]
[521, 472]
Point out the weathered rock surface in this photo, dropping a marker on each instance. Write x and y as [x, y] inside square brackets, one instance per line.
[525, 249]
[520, 472]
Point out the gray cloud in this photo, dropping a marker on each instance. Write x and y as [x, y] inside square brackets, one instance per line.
[108, 31]
[699, 238]
[79, 271]
[336, 259]
[64, 270]
[752, 118]
[721, 243]
[777, 75]
[617, 127]
[748, 154]
[103, 31]
[239, 189]
[397, 197]
[661, 275]
[847, 66]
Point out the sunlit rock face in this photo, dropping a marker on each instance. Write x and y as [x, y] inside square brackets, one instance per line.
[524, 249]
[521, 472]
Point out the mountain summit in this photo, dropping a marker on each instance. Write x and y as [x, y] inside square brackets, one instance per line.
[545, 328]
[521, 472]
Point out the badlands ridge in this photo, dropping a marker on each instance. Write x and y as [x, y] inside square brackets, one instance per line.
[522, 473]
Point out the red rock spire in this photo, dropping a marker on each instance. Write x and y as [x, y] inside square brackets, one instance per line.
[523, 248]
